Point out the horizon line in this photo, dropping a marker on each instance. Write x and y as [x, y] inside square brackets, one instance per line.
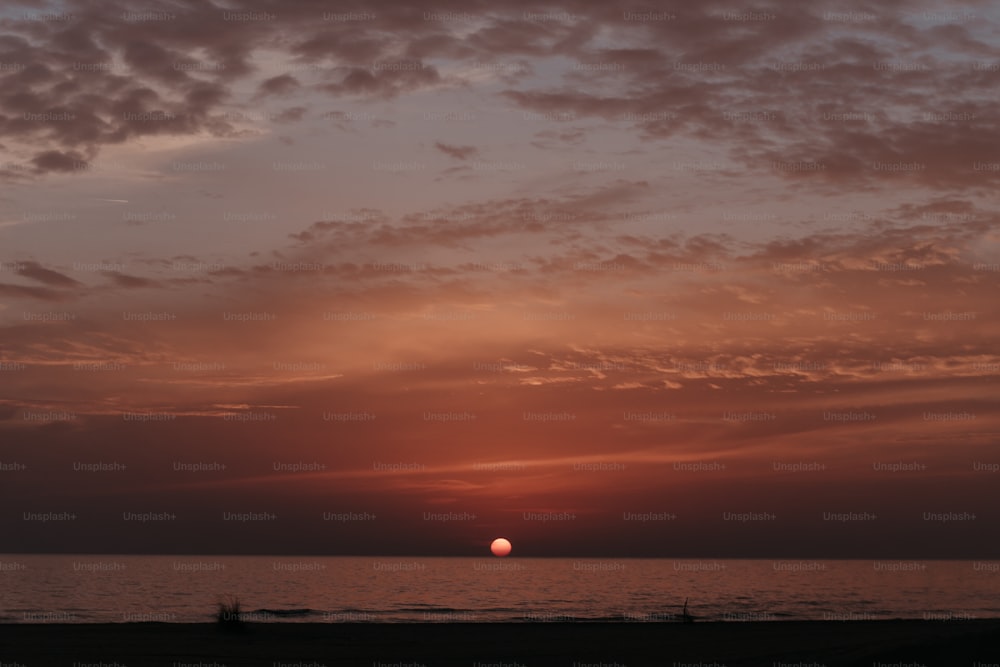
[492, 557]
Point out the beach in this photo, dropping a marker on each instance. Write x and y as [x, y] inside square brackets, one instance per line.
[715, 644]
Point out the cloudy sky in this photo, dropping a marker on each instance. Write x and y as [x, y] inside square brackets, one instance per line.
[603, 278]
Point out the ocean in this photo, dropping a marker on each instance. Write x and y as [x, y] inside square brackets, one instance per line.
[187, 589]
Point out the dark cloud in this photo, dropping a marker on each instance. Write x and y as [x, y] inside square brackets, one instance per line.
[278, 86]
[36, 271]
[290, 115]
[128, 281]
[58, 161]
[652, 82]
[457, 152]
[385, 80]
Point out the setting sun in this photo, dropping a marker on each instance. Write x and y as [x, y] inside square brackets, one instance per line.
[500, 547]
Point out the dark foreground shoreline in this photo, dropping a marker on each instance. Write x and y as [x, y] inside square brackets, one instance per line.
[772, 644]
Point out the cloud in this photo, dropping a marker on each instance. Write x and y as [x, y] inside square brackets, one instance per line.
[36, 271]
[128, 281]
[278, 86]
[109, 80]
[291, 115]
[57, 161]
[392, 80]
[457, 152]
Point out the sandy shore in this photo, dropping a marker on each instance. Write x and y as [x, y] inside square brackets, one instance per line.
[922, 643]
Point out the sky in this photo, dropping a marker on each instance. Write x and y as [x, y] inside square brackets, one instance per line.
[662, 279]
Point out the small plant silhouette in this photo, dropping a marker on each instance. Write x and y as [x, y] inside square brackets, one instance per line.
[228, 615]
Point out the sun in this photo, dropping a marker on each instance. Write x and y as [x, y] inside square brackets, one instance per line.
[500, 547]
